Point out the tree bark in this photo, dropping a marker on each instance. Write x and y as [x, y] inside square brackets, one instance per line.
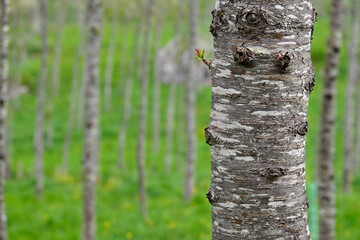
[191, 151]
[129, 80]
[353, 50]
[91, 138]
[325, 173]
[143, 110]
[110, 66]
[4, 45]
[262, 76]
[39, 131]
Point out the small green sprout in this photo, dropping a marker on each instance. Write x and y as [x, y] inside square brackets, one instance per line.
[200, 55]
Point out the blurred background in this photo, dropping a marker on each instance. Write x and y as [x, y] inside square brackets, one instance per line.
[58, 214]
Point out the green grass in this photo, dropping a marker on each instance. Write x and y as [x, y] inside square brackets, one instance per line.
[58, 216]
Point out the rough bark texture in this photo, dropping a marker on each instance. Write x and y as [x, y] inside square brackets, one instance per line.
[91, 138]
[353, 49]
[191, 151]
[143, 110]
[129, 80]
[39, 130]
[4, 45]
[110, 66]
[326, 184]
[261, 73]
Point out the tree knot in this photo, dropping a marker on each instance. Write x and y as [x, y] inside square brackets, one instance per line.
[210, 138]
[302, 129]
[211, 196]
[283, 61]
[217, 21]
[243, 55]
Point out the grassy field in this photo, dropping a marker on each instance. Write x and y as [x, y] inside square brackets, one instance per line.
[58, 216]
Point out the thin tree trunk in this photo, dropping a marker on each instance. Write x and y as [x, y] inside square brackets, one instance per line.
[349, 162]
[91, 138]
[157, 94]
[84, 77]
[110, 66]
[143, 110]
[74, 92]
[129, 80]
[39, 131]
[4, 45]
[191, 151]
[72, 112]
[325, 173]
[170, 127]
[54, 88]
[170, 115]
[261, 77]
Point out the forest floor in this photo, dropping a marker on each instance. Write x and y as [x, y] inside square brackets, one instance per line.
[58, 216]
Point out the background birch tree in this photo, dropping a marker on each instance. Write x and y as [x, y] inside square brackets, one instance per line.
[39, 131]
[191, 105]
[352, 77]
[326, 183]
[262, 77]
[91, 137]
[4, 45]
[143, 109]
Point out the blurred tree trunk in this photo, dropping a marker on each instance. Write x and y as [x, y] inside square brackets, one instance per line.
[143, 109]
[74, 89]
[4, 45]
[39, 130]
[130, 77]
[109, 71]
[191, 149]
[325, 166]
[56, 72]
[157, 90]
[170, 115]
[91, 138]
[353, 51]
[84, 77]
[74, 92]
[262, 76]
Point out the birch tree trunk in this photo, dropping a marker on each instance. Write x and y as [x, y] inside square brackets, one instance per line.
[74, 92]
[353, 50]
[262, 76]
[110, 66]
[170, 115]
[91, 138]
[129, 80]
[143, 110]
[39, 131]
[157, 94]
[54, 88]
[191, 151]
[325, 173]
[84, 77]
[4, 45]
[72, 112]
